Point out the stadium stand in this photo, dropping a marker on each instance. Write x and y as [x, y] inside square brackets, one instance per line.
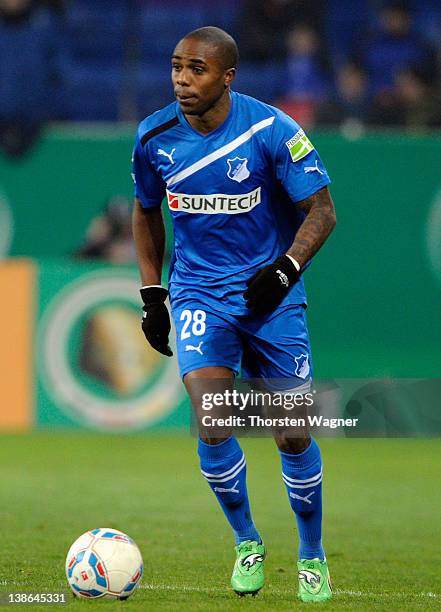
[109, 59]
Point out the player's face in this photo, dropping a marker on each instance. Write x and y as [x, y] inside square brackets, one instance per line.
[199, 78]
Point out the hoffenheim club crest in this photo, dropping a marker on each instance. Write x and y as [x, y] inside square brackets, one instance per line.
[237, 169]
[302, 366]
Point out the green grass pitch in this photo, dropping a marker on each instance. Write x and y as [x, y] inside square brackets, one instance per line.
[381, 530]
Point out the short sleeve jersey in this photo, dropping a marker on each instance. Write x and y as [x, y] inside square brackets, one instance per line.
[231, 194]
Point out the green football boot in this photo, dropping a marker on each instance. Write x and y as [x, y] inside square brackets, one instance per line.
[248, 576]
[314, 580]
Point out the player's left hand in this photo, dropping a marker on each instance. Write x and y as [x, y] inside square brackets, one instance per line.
[269, 285]
[156, 320]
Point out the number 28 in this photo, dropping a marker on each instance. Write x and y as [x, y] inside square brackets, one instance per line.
[197, 321]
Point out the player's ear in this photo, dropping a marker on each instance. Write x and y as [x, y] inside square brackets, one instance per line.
[229, 76]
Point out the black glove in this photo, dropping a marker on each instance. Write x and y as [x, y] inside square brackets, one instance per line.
[269, 285]
[156, 320]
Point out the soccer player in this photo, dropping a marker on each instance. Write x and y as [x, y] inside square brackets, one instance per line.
[250, 205]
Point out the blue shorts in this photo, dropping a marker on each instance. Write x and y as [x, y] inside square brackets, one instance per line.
[271, 348]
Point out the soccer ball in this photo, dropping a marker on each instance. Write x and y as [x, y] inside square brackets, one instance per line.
[103, 563]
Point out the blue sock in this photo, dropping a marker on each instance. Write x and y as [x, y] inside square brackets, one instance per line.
[224, 468]
[302, 475]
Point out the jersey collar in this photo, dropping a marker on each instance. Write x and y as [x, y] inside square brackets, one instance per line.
[220, 128]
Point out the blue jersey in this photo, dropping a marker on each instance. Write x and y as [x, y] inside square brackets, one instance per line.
[231, 194]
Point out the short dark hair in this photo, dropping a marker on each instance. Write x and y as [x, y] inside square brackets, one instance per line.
[224, 43]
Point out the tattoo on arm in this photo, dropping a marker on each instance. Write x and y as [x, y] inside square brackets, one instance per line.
[315, 229]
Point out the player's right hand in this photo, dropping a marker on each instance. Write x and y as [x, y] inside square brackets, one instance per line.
[156, 320]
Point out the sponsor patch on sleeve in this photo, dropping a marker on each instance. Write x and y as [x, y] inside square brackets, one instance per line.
[299, 146]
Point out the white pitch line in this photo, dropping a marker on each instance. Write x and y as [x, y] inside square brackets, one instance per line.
[428, 595]
[184, 587]
[194, 589]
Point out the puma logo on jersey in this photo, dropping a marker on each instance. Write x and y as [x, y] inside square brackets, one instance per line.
[231, 490]
[190, 347]
[168, 155]
[315, 168]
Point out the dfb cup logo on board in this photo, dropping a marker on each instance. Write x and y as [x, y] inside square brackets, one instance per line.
[94, 362]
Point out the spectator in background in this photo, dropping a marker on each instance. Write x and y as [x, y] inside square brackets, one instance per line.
[348, 107]
[414, 103]
[31, 47]
[109, 236]
[393, 48]
[308, 75]
[265, 24]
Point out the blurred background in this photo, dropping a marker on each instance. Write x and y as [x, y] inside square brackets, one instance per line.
[370, 62]
[75, 78]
